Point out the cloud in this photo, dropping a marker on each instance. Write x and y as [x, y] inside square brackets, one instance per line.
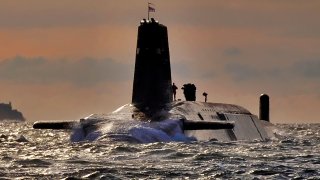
[233, 51]
[300, 77]
[188, 72]
[38, 13]
[308, 69]
[242, 72]
[83, 72]
[181, 70]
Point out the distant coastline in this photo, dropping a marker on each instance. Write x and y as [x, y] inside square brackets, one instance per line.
[7, 113]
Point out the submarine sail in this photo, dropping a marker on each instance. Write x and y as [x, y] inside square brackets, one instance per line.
[152, 75]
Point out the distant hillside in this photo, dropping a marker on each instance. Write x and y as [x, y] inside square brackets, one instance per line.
[7, 113]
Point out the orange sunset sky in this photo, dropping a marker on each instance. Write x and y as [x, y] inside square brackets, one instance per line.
[68, 59]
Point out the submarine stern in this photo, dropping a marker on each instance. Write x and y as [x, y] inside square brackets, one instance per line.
[219, 121]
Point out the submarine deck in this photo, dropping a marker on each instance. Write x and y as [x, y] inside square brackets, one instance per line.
[246, 125]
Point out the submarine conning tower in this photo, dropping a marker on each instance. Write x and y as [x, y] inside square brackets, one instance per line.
[152, 76]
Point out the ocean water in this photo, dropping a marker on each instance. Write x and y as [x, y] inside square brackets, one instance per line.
[27, 153]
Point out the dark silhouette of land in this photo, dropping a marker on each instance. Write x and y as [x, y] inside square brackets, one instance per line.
[7, 113]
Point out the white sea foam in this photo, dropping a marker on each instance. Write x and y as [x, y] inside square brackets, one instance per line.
[143, 132]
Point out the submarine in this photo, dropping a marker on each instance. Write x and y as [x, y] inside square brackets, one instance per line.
[153, 102]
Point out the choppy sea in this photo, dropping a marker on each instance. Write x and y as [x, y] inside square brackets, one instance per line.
[27, 153]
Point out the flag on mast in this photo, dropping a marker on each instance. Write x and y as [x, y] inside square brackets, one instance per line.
[150, 8]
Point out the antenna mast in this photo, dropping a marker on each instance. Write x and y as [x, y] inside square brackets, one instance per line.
[150, 9]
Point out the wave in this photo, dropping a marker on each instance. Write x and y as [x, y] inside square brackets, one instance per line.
[131, 131]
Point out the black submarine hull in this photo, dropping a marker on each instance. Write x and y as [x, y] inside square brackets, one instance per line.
[200, 120]
[152, 101]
